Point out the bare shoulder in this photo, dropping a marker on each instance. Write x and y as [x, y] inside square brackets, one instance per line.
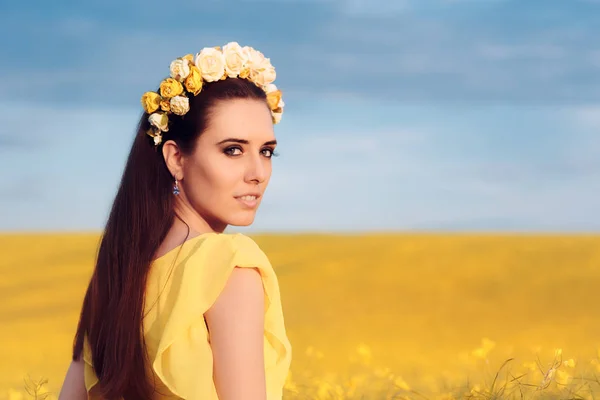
[236, 328]
[73, 387]
[242, 297]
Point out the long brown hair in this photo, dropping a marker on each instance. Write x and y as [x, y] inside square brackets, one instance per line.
[141, 215]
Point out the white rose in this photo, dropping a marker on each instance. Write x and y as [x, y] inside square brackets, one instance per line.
[255, 58]
[261, 71]
[159, 120]
[267, 76]
[211, 64]
[270, 88]
[235, 59]
[180, 70]
[180, 105]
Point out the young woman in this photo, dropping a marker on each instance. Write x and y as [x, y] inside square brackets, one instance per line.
[176, 308]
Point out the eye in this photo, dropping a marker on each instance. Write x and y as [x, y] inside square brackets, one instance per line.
[231, 151]
[269, 152]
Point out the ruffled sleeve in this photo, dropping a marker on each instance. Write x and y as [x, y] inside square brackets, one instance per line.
[183, 360]
[89, 376]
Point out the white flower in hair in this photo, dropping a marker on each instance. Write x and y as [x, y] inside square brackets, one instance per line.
[211, 63]
[180, 105]
[235, 59]
[261, 71]
[160, 121]
[180, 69]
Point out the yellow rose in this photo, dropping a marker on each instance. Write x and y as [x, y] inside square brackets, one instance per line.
[276, 116]
[165, 105]
[211, 64]
[245, 73]
[273, 99]
[150, 102]
[180, 105]
[180, 69]
[189, 57]
[273, 96]
[235, 59]
[159, 120]
[170, 88]
[193, 82]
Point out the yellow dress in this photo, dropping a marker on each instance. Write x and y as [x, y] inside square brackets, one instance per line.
[177, 340]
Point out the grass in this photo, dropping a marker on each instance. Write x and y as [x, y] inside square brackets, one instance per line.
[376, 316]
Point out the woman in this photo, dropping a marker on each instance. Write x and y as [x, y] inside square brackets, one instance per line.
[175, 307]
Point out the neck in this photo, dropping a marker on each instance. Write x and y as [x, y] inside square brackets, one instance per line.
[186, 214]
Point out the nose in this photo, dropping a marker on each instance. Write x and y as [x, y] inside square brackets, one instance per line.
[256, 169]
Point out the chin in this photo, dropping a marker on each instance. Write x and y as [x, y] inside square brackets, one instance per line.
[241, 220]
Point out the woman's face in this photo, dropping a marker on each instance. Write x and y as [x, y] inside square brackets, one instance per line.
[225, 178]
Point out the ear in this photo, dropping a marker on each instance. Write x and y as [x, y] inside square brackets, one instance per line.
[173, 158]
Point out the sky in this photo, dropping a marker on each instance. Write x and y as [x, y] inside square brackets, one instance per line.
[401, 115]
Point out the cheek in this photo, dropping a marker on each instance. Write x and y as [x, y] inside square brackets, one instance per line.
[214, 180]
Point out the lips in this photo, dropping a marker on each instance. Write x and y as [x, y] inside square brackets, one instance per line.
[248, 200]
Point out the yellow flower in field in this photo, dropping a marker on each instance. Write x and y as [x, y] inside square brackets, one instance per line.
[486, 346]
[558, 353]
[382, 372]
[289, 384]
[14, 395]
[563, 377]
[569, 363]
[312, 352]
[364, 350]
[401, 383]
[476, 389]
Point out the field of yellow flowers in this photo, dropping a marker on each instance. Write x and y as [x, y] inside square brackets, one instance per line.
[407, 316]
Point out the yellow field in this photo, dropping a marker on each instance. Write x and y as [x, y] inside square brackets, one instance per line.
[433, 314]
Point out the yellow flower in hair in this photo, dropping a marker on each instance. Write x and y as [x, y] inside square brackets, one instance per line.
[245, 73]
[165, 105]
[150, 102]
[273, 96]
[193, 83]
[170, 88]
[189, 57]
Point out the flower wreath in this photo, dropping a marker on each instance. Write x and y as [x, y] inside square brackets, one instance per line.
[189, 73]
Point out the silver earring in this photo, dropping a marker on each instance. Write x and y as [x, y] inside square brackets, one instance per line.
[176, 188]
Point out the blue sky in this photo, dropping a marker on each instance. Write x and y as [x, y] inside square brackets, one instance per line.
[400, 114]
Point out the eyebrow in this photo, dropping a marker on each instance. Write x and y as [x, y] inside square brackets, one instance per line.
[244, 141]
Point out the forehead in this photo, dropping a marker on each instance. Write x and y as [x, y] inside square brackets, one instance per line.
[247, 119]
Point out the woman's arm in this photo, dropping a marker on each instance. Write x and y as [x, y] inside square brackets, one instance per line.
[236, 326]
[73, 387]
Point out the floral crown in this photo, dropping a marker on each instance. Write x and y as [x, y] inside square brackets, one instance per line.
[189, 73]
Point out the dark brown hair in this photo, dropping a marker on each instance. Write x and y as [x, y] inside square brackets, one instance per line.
[141, 215]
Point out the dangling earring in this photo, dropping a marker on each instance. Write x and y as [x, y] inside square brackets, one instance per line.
[176, 188]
